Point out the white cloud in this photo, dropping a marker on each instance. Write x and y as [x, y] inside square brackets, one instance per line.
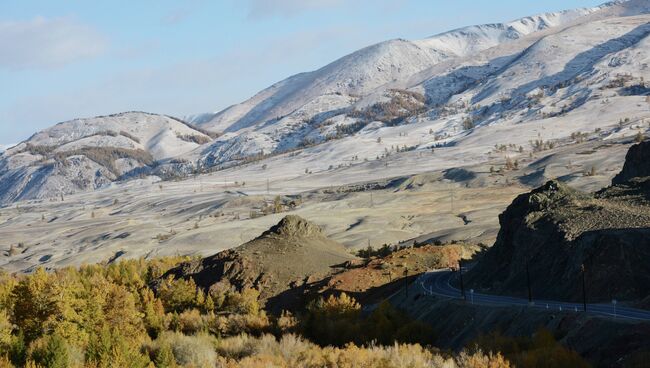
[286, 8]
[189, 87]
[45, 43]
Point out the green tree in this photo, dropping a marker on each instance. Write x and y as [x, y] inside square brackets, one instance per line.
[52, 353]
[154, 313]
[165, 357]
[18, 350]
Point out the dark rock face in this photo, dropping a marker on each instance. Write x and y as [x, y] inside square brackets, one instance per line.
[555, 230]
[637, 164]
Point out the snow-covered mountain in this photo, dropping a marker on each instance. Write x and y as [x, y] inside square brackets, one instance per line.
[468, 89]
[85, 154]
[375, 66]
[307, 108]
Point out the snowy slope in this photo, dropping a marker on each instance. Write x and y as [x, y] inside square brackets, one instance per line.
[89, 153]
[469, 40]
[156, 134]
[362, 71]
[354, 74]
[305, 108]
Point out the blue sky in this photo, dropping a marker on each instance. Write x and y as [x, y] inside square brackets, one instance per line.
[61, 60]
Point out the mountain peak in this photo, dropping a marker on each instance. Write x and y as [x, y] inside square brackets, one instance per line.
[294, 226]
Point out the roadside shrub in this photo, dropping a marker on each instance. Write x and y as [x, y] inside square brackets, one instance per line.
[188, 351]
[190, 322]
[286, 323]
[293, 351]
[539, 350]
[237, 347]
[477, 359]
[233, 324]
[337, 321]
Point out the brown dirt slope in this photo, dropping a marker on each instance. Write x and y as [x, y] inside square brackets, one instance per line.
[377, 278]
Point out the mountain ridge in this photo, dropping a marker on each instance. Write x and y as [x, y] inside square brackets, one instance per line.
[89, 153]
[552, 68]
[435, 45]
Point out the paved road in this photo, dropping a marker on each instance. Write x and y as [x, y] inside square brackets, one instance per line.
[439, 283]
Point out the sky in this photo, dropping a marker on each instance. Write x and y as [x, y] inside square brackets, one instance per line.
[67, 59]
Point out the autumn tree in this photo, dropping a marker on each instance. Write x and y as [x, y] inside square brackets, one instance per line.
[34, 302]
[177, 294]
[333, 321]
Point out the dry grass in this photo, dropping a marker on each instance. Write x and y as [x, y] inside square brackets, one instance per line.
[294, 351]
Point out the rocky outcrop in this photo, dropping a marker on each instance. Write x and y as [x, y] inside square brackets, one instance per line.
[555, 230]
[279, 263]
[637, 164]
[293, 226]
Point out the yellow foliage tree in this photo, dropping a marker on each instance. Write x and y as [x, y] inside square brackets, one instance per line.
[34, 302]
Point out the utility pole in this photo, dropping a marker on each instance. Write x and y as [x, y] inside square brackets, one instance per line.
[530, 291]
[406, 282]
[267, 186]
[451, 190]
[584, 287]
[372, 203]
[460, 272]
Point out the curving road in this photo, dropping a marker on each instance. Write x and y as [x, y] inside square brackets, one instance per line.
[439, 283]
